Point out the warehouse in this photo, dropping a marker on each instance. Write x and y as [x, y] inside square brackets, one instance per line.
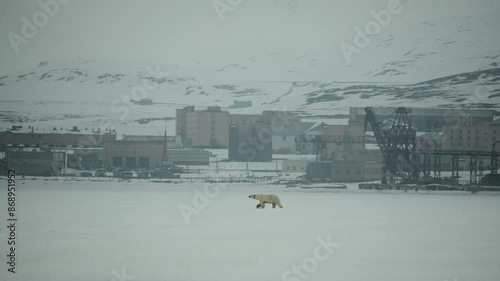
[148, 155]
[34, 163]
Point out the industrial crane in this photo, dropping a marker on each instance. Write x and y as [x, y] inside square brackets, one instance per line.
[397, 143]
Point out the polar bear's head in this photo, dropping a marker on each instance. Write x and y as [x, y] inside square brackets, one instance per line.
[251, 196]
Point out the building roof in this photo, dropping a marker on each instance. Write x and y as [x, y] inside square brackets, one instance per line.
[430, 136]
[58, 130]
[318, 127]
[495, 122]
[431, 112]
[294, 129]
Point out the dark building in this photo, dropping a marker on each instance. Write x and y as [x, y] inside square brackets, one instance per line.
[427, 119]
[319, 170]
[34, 163]
[148, 155]
[56, 137]
[86, 158]
[250, 142]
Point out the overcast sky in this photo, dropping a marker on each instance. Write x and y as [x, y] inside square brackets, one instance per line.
[186, 31]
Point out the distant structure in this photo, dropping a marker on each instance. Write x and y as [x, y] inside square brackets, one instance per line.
[205, 129]
[342, 150]
[284, 139]
[173, 142]
[240, 104]
[146, 101]
[356, 171]
[85, 158]
[471, 135]
[250, 142]
[30, 163]
[148, 155]
[251, 136]
[19, 135]
[427, 119]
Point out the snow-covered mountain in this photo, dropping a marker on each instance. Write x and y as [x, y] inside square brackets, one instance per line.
[447, 62]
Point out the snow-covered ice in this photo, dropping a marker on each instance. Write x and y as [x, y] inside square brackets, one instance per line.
[81, 230]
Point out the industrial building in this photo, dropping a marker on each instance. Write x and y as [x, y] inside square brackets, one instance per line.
[284, 138]
[34, 163]
[471, 136]
[356, 171]
[148, 155]
[174, 142]
[351, 140]
[294, 166]
[193, 157]
[428, 119]
[250, 143]
[85, 158]
[19, 135]
[203, 128]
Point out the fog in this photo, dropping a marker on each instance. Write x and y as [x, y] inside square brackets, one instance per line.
[189, 31]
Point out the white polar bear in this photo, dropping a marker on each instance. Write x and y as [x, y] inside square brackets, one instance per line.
[266, 198]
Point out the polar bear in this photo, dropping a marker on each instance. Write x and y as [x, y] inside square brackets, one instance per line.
[266, 198]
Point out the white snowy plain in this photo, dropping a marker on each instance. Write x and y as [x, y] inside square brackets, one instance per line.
[81, 230]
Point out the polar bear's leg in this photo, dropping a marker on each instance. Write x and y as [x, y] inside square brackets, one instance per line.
[274, 205]
[262, 204]
[279, 203]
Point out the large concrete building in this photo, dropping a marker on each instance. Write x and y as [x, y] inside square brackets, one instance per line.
[427, 119]
[148, 155]
[205, 128]
[284, 140]
[471, 136]
[341, 150]
[30, 163]
[17, 135]
[250, 143]
[356, 171]
[174, 142]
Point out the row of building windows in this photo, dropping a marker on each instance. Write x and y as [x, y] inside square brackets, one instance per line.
[477, 132]
[294, 168]
[494, 138]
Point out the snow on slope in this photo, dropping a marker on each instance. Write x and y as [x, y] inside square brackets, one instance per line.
[414, 52]
[443, 62]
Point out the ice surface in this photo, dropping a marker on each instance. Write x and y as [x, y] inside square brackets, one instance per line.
[81, 230]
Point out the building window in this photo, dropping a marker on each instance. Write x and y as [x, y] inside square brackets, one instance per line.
[117, 162]
[144, 162]
[130, 162]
